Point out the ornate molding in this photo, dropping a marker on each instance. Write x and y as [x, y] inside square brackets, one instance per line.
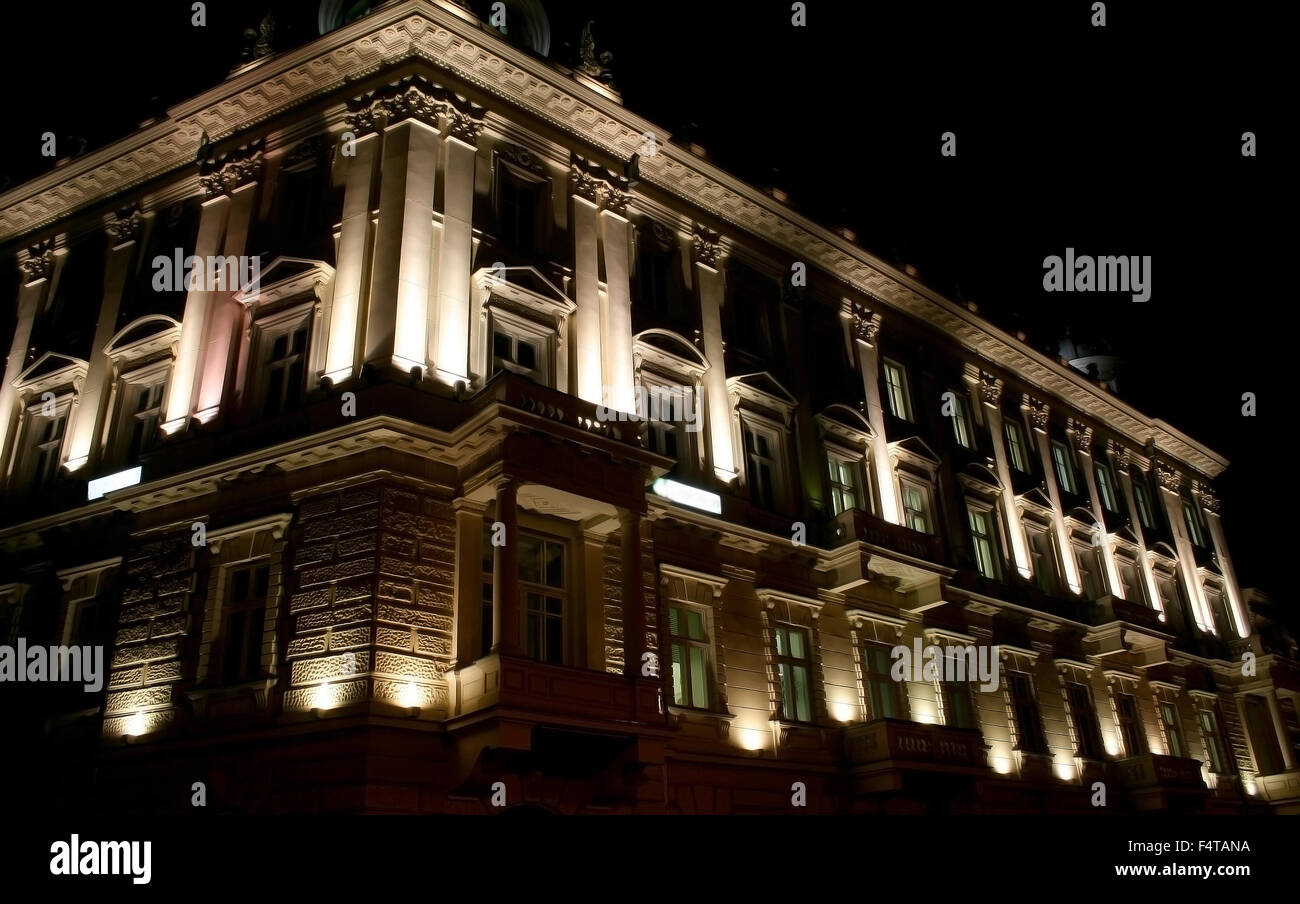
[414, 97]
[403, 31]
[1169, 479]
[37, 262]
[1081, 434]
[596, 184]
[708, 246]
[465, 126]
[863, 324]
[1120, 453]
[991, 389]
[126, 225]
[525, 160]
[1039, 411]
[222, 175]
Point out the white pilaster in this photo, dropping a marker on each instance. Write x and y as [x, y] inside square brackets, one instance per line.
[354, 249]
[455, 256]
[708, 279]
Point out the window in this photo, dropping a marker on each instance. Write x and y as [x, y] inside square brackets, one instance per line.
[542, 584]
[1105, 486]
[486, 566]
[1130, 725]
[513, 353]
[957, 711]
[1128, 576]
[882, 690]
[1215, 749]
[1143, 501]
[1089, 558]
[1173, 730]
[520, 345]
[1044, 562]
[689, 646]
[1064, 467]
[896, 390]
[845, 478]
[138, 424]
[1016, 449]
[284, 370]
[1028, 723]
[962, 430]
[520, 207]
[983, 542]
[792, 669]
[762, 451]
[243, 624]
[916, 509]
[43, 447]
[1083, 715]
[1195, 527]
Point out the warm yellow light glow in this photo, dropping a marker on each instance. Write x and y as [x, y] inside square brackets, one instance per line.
[324, 696]
[1250, 786]
[1065, 772]
[1002, 765]
[410, 695]
[137, 725]
[844, 712]
[752, 739]
[1110, 746]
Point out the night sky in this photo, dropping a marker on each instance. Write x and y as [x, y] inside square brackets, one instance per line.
[1117, 140]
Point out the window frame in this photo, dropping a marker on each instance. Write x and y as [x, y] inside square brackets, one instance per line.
[1124, 724]
[1086, 724]
[253, 628]
[1066, 476]
[775, 436]
[873, 678]
[783, 661]
[927, 511]
[963, 423]
[517, 327]
[1142, 500]
[991, 538]
[1017, 449]
[688, 643]
[901, 390]
[266, 329]
[860, 492]
[1106, 486]
[1030, 738]
[546, 591]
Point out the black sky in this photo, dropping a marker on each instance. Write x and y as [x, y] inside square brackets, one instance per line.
[1116, 140]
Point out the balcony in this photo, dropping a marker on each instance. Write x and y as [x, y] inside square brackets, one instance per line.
[561, 693]
[881, 753]
[854, 524]
[1162, 782]
[1280, 788]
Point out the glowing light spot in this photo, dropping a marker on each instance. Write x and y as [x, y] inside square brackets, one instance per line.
[137, 725]
[410, 695]
[324, 697]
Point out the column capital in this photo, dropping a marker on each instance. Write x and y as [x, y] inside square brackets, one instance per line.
[465, 125]
[1209, 499]
[598, 185]
[413, 97]
[708, 246]
[37, 261]
[864, 324]
[1038, 413]
[990, 389]
[1169, 479]
[1120, 454]
[126, 224]
[232, 170]
[1081, 433]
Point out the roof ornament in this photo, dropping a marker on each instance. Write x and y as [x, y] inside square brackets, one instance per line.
[591, 63]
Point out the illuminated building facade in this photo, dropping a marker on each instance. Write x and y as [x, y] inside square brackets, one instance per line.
[389, 546]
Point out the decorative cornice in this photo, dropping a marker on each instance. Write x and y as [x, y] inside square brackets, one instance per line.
[465, 125]
[524, 159]
[1209, 500]
[413, 97]
[420, 31]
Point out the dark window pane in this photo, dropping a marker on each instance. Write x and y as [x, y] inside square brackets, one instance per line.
[527, 355]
